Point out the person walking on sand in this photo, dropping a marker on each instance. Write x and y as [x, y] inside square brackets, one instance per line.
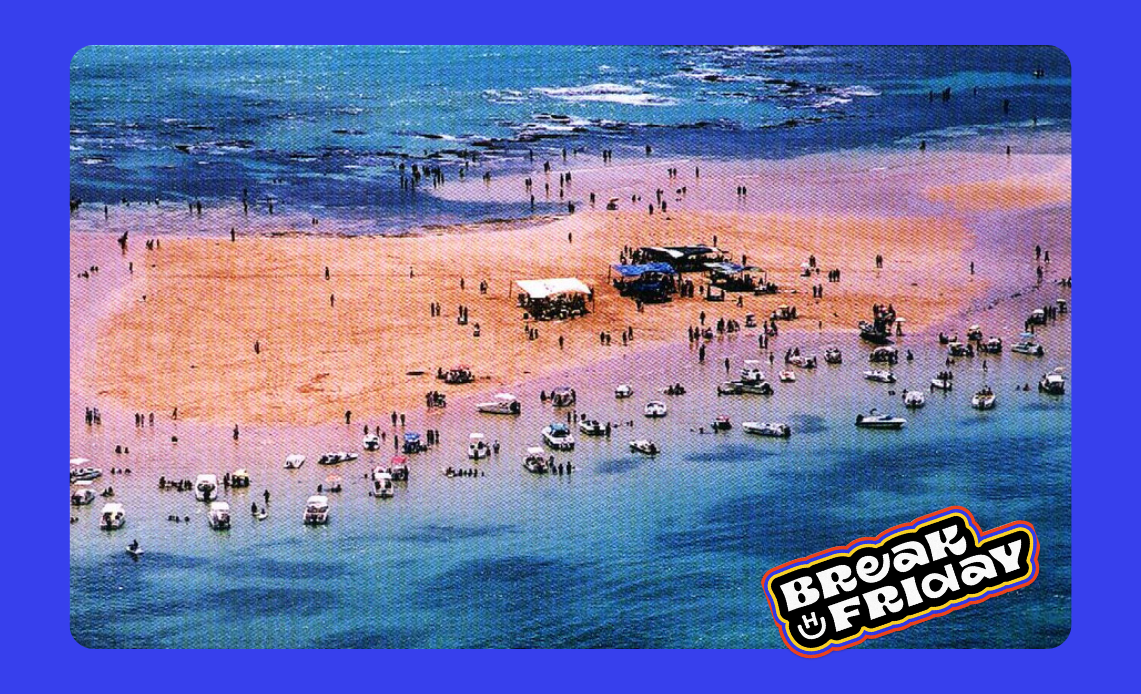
[348, 416]
[235, 432]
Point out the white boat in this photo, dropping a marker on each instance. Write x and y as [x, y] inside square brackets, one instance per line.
[294, 461]
[382, 485]
[833, 355]
[504, 403]
[751, 373]
[984, 399]
[993, 345]
[874, 420]
[85, 474]
[219, 515]
[239, 479]
[721, 423]
[655, 409]
[1037, 316]
[83, 494]
[644, 446]
[316, 510]
[787, 377]
[884, 354]
[371, 442]
[880, 376]
[802, 361]
[942, 383]
[772, 429]
[536, 461]
[337, 458]
[975, 333]
[206, 487]
[1028, 346]
[477, 448]
[1053, 383]
[563, 397]
[959, 349]
[914, 399]
[112, 517]
[592, 427]
[558, 436]
[624, 391]
[739, 387]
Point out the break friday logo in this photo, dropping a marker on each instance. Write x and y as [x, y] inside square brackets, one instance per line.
[913, 572]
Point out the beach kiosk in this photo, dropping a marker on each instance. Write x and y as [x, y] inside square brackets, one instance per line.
[554, 299]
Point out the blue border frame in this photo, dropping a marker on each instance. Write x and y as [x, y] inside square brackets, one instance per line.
[43, 654]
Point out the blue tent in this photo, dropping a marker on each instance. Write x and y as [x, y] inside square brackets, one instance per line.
[639, 270]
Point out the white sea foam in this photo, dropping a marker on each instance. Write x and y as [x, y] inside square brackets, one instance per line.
[607, 92]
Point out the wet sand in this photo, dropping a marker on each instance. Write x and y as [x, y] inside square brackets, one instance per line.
[190, 343]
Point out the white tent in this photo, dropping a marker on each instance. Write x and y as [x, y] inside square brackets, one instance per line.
[542, 289]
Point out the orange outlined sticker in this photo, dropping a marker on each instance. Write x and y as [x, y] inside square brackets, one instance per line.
[908, 574]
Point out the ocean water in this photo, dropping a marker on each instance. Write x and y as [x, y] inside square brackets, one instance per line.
[321, 131]
[628, 551]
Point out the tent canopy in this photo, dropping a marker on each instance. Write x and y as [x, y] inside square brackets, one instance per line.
[639, 270]
[542, 289]
[730, 268]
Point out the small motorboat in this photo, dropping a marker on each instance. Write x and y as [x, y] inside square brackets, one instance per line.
[316, 510]
[239, 479]
[1037, 317]
[592, 427]
[992, 345]
[135, 549]
[398, 467]
[1063, 305]
[974, 334]
[644, 446]
[624, 391]
[751, 373]
[112, 517]
[536, 461]
[787, 377]
[294, 461]
[914, 399]
[888, 355]
[655, 409]
[960, 349]
[85, 474]
[874, 333]
[1053, 383]
[206, 487]
[563, 397]
[771, 429]
[833, 355]
[412, 443]
[382, 487]
[83, 494]
[262, 514]
[458, 375]
[874, 420]
[219, 515]
[337, 458]
[477, 448]
[721, 423]
[880, 376]
[504, 403]
[371, 442]
[942, 383]
[801, 361]
[1028, 346]
[983, 399]
[558, 436]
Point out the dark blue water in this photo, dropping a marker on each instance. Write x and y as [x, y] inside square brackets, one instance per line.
[323, 130]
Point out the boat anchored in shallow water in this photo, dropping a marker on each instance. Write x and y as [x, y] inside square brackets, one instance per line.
[593, 427]
[624, 391]
[880, 376]
[112, 517]
[316, 510]
[219, 515]
[1053, 383]
[741, 387]
[535, 461]
[371, 442]
[644, 446]
[558, 436]
[984, 399]
[787, 377]
[336, 458]
[294, 461]
[875, 420]
[721, 423]
[914, 399]
[83, 494]
[206, 487]
[833, 355]
[655, 409]
[777, 430]
[477, 448]
[503, 403]
[1028, 346]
